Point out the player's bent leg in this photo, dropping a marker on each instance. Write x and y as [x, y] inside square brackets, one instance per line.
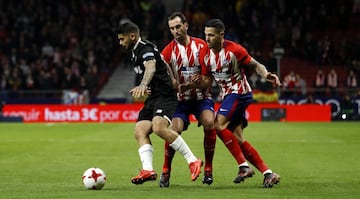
[177, 143]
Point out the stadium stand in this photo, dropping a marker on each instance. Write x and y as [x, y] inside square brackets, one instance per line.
[48, 46]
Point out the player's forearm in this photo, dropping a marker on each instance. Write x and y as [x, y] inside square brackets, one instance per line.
[149, 72]
[264, 73]
[261, 70]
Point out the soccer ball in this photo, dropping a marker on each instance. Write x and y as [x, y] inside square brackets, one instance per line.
[94, 178]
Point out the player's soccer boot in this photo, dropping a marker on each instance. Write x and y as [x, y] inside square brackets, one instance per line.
[207, 179]
[244, 172]
[195, 169]
[165, 178]
[270, 179]
[144, 176]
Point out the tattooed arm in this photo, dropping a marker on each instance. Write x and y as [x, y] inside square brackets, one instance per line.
[141, 90]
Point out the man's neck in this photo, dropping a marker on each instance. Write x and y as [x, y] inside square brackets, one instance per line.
[185, 42]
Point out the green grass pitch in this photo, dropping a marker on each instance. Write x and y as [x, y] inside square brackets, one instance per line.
[315, 160]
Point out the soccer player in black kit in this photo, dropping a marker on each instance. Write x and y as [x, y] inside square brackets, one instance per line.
[159, 106]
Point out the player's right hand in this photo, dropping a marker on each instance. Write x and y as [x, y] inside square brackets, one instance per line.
[195, 78]
[274, 79]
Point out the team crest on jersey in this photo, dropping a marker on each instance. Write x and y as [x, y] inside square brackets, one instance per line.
[225, 62]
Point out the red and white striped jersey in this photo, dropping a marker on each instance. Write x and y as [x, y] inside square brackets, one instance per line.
[184, 61]
[227, 67]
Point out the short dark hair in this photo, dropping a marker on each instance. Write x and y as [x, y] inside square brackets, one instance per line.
[127, 28]
[217, 24]
[177, 14]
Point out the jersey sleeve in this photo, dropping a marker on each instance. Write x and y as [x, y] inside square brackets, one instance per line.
[242, 55]
[147, 53]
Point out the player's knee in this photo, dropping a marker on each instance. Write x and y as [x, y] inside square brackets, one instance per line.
[207, 121]
[159, 124]
[158, 128]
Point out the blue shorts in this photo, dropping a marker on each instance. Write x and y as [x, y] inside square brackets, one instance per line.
[185, 108]
[234, 107]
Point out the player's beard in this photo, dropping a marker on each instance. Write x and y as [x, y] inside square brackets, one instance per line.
[180, 38]
[210, 44]
[131, 46]
[214, 44]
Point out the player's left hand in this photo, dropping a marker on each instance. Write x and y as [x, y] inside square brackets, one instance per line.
[271, 77]
[139, 91]
[184, 87]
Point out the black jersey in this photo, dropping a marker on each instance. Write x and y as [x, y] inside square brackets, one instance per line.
[160, 84]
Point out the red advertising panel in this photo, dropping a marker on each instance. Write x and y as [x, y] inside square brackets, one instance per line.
[74, 113]
[290, 113]
[129, 113]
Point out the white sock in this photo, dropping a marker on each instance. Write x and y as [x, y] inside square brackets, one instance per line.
[267, 171]
[146, 156]
[180, 145]
[245, 164]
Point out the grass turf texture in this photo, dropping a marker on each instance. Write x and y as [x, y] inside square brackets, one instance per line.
[315, 160]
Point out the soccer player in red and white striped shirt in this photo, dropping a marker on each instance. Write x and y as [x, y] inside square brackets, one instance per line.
[225, 61]
[182, 55]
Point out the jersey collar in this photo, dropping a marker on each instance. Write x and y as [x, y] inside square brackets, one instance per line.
[137, 43]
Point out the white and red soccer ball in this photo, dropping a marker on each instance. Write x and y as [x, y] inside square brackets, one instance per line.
[94, 178]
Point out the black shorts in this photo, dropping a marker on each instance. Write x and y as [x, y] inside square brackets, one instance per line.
[164, 106]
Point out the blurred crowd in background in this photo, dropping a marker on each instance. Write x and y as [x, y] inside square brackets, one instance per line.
[53, 44]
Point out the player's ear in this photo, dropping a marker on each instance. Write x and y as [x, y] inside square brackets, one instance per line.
[222, 33]
[132, 36]
[186, 25]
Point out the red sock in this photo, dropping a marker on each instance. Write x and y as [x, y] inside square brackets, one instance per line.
[209, 147]
[253, 156]
[168, 157]
[232, 144]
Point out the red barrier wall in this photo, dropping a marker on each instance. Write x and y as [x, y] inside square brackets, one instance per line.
[129, 113]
